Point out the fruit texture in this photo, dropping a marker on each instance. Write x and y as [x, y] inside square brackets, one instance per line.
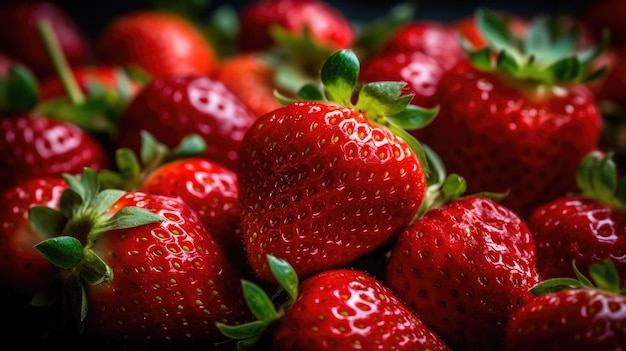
[463, 268]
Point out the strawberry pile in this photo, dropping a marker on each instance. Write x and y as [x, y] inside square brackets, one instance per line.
[281, 177]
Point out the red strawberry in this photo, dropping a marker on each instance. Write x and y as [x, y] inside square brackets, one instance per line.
[323, 183]
[20, 39]
[159, 42]
[337, 309]
[463, 266]
[39, 146]
[514, 124]
[260, 20]
[252, 79]
[211, 190]
[432, 38]
[151, 273]
[172, 107]
[24, 269]
[572, 314]
[586, 227]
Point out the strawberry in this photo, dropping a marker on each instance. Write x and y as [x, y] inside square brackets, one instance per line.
[38, 146]
[140, 270]
[337, 309]
[25, 270]
[323, 182]
[463, 266]
[19, 36]
[160, 43]
[572, 314]
[586, 227]
[517, 124]
[174, 106]
[252, 79]
[434, 39]
[261, 21]
[211, 190]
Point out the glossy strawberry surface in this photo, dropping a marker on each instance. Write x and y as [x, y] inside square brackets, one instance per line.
[172, 107]
[349, 310]
[161, 43]
[577, 320]
[320, 185]
[25, 270]
[584, 231]
[463, 268]
[39, 146]
[171, 282]
[503, 135]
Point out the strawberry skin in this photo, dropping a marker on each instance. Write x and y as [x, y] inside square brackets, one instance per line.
[576, 320]
[501, 136]
[320, 185]
[171, 282]
[174, 106]
[25, 270]
[159, 42]
[463, 268]
[347, 309]
[39, 146]
[574, 229]
[326, 26]
[211, 190]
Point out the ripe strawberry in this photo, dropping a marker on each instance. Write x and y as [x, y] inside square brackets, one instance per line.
[337, 309]
[517, 124]
[323, 183]
[432, 38]
[160, 43]
[212, 191]
[463, 266]
[19, 37]
[586, 227]
[172, 107]
[261, 20]
[252, 79]
[24, 269]
[38, 146]
[151, 274]
[572, 314]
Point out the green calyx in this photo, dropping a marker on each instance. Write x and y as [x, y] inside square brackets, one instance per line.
[382, 102]
[597, 179]
[132, 171]
[547, 54]
[604, 276]
[19, 90]
[262, 306]
[73, 230]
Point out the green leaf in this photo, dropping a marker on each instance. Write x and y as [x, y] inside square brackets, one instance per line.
[382, 99]
[339, 75]
[93, 269]
[152, 151]
[605, 275]
[453, 187]
[564, 70]
[310, 92]
[507, 63]
[481, 59]
[21, 89]
[192, 145]
[62, 251]
[129, 168]
[285, 275]
[242, 331]
[129, 217]
[259, 303]
[414, 117]
[47, 221]
[555, 285]
[584, 281]
[495, 30]
[70, 202]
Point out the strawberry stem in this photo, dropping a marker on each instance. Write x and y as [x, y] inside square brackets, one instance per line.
[60, 62]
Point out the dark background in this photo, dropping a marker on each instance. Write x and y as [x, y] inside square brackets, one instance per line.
[92, 16]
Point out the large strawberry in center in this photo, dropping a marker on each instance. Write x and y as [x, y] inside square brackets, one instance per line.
[324, 181]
